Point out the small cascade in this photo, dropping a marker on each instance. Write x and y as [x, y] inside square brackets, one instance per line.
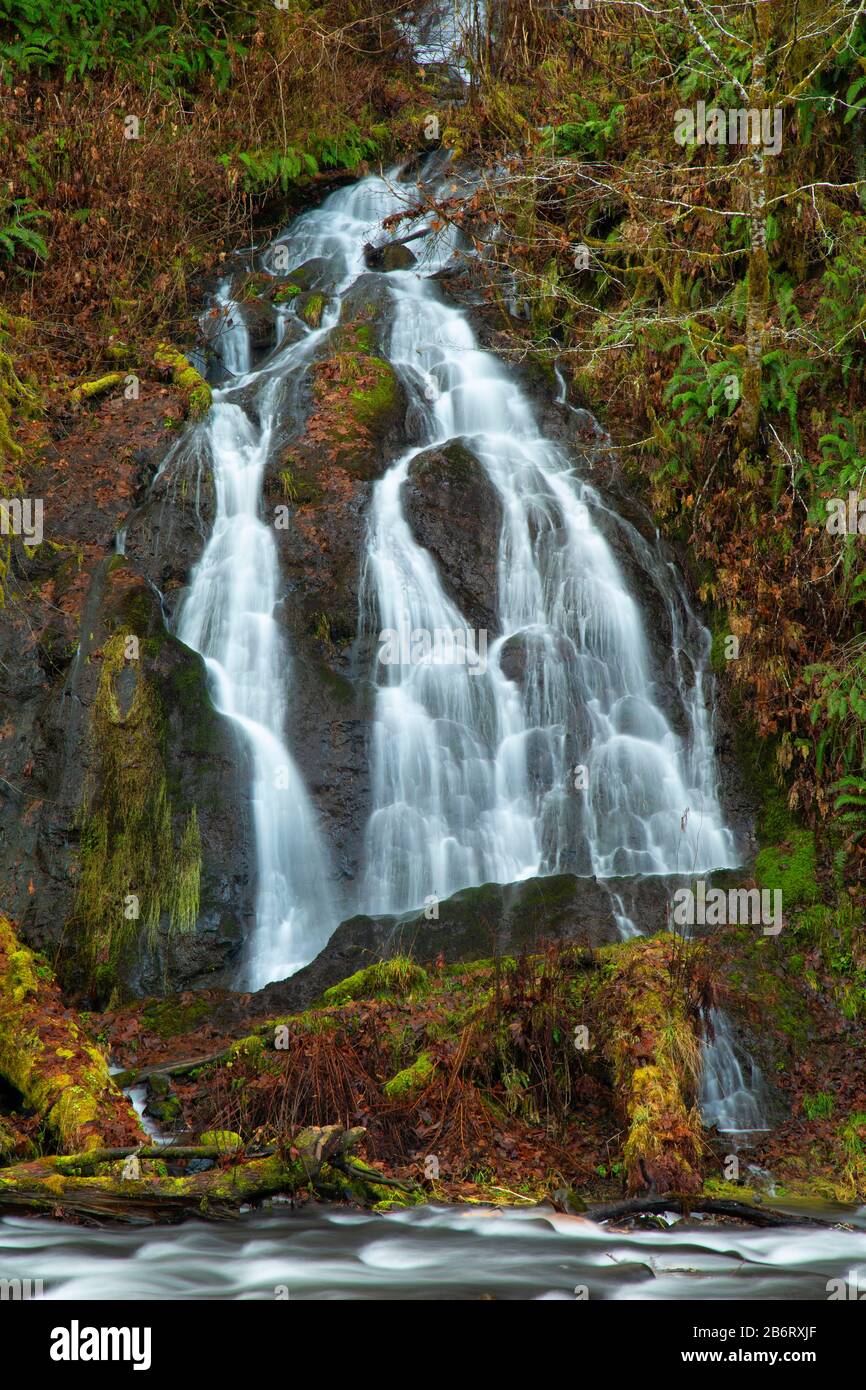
[230, 337]
[733, 1090]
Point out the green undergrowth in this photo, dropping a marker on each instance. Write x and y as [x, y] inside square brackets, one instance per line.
[514, 1043]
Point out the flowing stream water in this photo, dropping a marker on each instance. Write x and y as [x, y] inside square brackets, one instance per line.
[429, 1253]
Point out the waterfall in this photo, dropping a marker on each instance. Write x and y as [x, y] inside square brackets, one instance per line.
[729, 1099]
[473, 776]
[228, 616]
[477, 775]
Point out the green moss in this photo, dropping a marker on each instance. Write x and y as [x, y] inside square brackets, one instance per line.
[66, 1081]
[410, 1079]
[654, 1049]
[22, 978]
[355, 337]
[189, 381]
[731, 1191]
[89, 389]
[313, 309]
[776, 821]
[224, 1139]
[169, 1018]
[287, 292]
[378, 398]
[398, 976]
[130, 873]
[791, 867]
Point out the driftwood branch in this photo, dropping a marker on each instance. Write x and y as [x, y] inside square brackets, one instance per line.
[688, 1206]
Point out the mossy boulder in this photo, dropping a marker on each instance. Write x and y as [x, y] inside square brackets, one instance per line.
[310, 306]
[359, 408]
[251, 284]
[395, 257]
[396, 977]
[474, 924]
[260, 321]
[316, 273]
[366, 315]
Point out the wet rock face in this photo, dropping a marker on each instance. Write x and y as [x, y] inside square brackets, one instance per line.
[348, 428]
[366, 312]
[82, 598]
[390, 257]
[193, 762]
[475, 924]
[165, 536]
[455, 513]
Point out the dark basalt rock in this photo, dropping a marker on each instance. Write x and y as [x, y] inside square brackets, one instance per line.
[392, 256]
[314, 274]
[260, 322]
[474, 924]
[454, 511]
[205, 768]
[51, 657]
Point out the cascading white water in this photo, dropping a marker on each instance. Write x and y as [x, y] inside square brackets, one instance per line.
[228, 616]
[729, 1100]
[474, 777]
[229, 333]
[473, 772]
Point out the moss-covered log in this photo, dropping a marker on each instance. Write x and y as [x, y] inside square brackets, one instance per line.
[196, 391]
[45, 1055]
[317, 1160]
[89, 390]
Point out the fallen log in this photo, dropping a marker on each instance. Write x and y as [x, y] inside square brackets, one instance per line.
[688, 1206]
[134, 1076]
[47, 1057]
[77, 1165]
[317, 1161]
